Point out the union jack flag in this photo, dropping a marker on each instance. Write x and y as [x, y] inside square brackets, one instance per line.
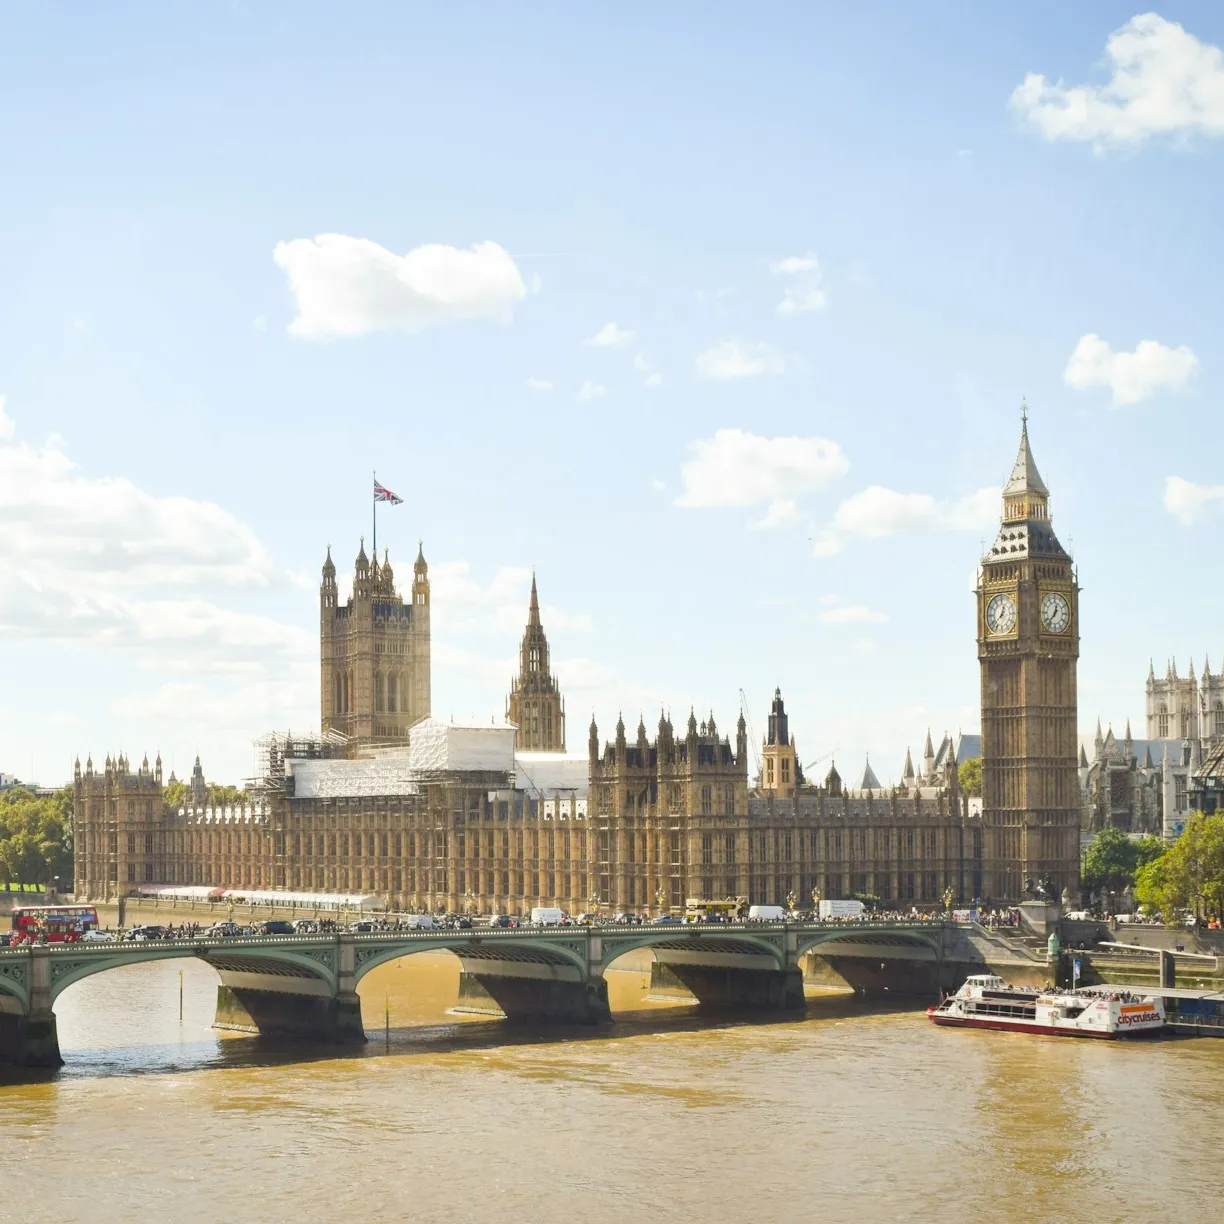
[381, 494]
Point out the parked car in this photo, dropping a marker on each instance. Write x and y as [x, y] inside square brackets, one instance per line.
[276, 926]
[93, 935]
[361, 928]
[500, 920]
[665, 920]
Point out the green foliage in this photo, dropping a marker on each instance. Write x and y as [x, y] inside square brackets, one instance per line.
[225, 796]
[36, 837]
[1190, 873]
[175, 794]
[969, 775]
[1110, 862]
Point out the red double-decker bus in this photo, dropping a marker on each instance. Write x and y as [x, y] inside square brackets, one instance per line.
[52, 923]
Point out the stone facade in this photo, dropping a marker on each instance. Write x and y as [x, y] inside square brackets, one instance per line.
[374, 652]
[780, 769]
[644, 824]
[1028, 645]
[535, 705]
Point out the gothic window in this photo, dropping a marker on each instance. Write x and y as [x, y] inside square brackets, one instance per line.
[769, 771]
[131, 873]
[785, 770]
[393, 693]
[339, 702]
[707, 801]
[729, 800]
[378, 692]
[131, 843]
[1218, 719]
[1163, 720]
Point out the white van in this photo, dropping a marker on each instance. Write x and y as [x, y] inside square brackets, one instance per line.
[419, 922]
[766, 913]
[546, 915]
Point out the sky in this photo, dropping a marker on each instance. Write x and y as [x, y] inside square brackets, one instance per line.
[718, 317]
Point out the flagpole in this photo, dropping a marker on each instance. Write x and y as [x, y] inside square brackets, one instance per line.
[375, 516]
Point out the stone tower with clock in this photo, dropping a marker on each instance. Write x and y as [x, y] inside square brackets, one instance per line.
[1028, 644]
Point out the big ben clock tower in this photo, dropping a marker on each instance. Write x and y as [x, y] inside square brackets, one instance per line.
[1028, 644]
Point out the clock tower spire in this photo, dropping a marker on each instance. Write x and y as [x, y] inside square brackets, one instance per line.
[1028, 644]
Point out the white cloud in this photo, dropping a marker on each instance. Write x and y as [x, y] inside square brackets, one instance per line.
[1130, 377]
[782, 513]
[1164, 81]
[346, 286]
[737, 468]
[731, 359]
[610, 335]
[591, 391]
[539, 384]
[98, 564]
[852, 614]
[459, 602]
[794, 264]
[1188, 502]
[807, 291]
[7, 425]
[644, 366]
[799, 299]
[876, 511]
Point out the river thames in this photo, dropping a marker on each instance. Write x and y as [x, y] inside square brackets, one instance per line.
[850, 1113]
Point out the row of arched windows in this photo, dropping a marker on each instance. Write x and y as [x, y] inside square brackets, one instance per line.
[387, 693]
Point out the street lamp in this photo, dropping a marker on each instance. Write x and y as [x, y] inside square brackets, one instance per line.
[947, 898]
[469, 902]
[661, 898]
[792, 899]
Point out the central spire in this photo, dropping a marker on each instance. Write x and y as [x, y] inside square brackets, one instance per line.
[1025, 478]
[533, 612]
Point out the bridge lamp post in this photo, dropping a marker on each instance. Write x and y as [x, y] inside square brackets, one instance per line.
[593, 903]
[792, 899]
[947, 898]
[469, 902]
[816, 901]
[660, 898]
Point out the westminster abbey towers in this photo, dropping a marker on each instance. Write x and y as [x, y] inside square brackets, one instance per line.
[1028, 644]
[374, 651]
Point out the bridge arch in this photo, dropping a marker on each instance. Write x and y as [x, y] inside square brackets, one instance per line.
[711, 939]
[885, 939]
[485, 946]
[72, 963]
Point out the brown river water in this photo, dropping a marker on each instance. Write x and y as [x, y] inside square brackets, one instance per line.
[852, 1112]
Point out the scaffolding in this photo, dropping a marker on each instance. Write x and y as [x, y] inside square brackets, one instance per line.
[271, 751]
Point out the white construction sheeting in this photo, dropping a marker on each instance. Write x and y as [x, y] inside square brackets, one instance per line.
[344, 779]
[435, 746]
[546, 773]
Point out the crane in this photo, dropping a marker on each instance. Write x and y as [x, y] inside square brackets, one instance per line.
[756, 752]
[817, 761]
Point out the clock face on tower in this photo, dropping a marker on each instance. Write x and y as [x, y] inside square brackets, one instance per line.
[1055, 614]
[1001, 614]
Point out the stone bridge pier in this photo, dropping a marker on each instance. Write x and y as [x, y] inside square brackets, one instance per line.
[271, 999]
[28, 1035]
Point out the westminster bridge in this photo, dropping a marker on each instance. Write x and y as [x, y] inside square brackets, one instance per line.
[305, 986]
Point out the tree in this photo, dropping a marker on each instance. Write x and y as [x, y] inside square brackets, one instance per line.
[1190, 874]
[1109, 862]
[969, 775]
[35, 836]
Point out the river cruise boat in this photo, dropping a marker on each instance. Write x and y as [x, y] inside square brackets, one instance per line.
[987, 1002]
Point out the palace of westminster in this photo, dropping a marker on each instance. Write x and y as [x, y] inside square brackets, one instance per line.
[430, 815]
